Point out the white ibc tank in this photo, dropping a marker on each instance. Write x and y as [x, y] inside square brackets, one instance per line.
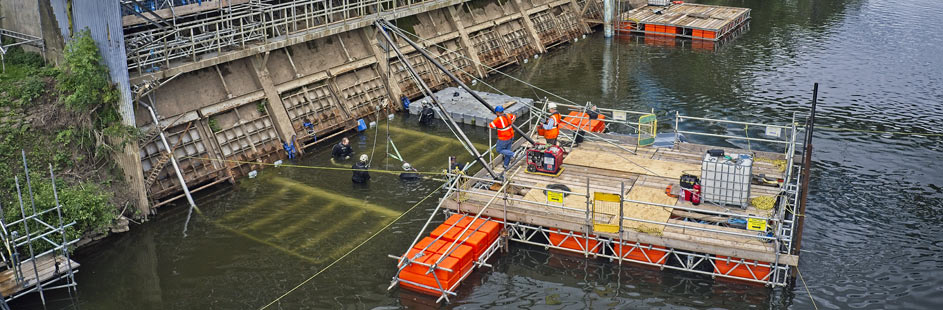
[726, 181]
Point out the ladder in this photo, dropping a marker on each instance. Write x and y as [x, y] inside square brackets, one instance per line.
[165, 158]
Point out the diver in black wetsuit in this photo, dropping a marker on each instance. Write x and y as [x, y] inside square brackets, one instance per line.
[409, 173]
[361, 175]
[342, 150]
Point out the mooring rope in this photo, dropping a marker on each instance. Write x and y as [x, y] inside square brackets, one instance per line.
[311, 167]
[807, 289]
[352, 250]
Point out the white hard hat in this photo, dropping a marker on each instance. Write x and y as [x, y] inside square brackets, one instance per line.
[552, 105]
[406, 166]
[363, 157]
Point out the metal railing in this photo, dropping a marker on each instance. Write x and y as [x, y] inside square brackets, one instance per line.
[242, 25]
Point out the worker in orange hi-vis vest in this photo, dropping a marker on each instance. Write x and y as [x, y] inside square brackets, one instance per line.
[503, 124]
[552, 125]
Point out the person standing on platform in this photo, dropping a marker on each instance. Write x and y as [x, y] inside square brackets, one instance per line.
[361, 175]
[504, 125]
[552, 125]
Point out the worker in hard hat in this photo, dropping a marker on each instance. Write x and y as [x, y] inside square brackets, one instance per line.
[342, 150]
[409, 173]
[426, 114]
[552, 125]
[361, 175]
[504, 125]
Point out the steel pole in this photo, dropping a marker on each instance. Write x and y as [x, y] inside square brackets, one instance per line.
[422, 84]
[806, 167]
[173, 161]
[457, 81]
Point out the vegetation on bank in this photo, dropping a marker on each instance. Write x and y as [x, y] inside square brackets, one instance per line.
[66, 117]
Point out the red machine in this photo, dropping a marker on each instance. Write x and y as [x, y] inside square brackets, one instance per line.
[545, 159]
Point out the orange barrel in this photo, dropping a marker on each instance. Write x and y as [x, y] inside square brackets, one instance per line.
[417, 274]
[710, 34]
[698, 33]
[672, 30]
[655, 254]
[740, 270]
[563, 240]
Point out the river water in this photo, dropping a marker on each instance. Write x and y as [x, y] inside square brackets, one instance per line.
[872, 237]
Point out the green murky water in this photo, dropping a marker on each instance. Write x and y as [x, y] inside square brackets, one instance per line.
[872, 237]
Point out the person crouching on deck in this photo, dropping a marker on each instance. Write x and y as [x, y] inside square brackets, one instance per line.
[503, 124]
[342, 150]
[552, 125]
[361, 175]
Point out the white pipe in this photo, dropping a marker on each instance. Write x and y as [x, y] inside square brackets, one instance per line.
[173, 161]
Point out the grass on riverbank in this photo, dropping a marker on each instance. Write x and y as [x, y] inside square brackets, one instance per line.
[66, 117]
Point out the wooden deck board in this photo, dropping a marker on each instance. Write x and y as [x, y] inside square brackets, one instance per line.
[46, 266]
[607, 175]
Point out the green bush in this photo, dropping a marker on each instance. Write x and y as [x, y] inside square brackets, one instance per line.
[84, 203]
[83, 81]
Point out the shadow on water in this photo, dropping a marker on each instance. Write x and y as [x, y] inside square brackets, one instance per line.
[872, 237]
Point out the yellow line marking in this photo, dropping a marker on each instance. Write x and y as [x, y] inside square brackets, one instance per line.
[256, 204]
[302, 223]
[329, 196]
[333, 229]
[429, 136]
[259, 240]
[435, 154]
[279, 214]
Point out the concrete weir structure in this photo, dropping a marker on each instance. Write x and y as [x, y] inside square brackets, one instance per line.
[233, 80]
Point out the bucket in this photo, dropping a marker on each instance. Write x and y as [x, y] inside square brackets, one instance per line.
[361, 125]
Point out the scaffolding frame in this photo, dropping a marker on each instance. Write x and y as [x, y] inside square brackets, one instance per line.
[783, 222]
[18, 39]
[27, 234]
[245, 25]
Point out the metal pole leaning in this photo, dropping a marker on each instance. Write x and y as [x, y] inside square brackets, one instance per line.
[422, 84]
[65, 242]
[29, 238]
[457, 81]
[173, 161]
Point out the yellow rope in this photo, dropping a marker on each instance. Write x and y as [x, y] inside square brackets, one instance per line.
[763, 202]
[779, 163]
[311, 167]
[352, 250]
[807, 289]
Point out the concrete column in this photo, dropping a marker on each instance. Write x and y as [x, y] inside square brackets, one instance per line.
[578, 12]
[466, 41]
[275, 107]
[528, 25]
[383, 67]
[607, 18]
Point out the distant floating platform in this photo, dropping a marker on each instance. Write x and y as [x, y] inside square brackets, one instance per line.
[686, 20]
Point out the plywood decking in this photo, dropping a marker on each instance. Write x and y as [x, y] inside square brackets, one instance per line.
[46, 266]
[607, 173]
[698, 21]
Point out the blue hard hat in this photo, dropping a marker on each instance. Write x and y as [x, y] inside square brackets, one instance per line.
[499, 108]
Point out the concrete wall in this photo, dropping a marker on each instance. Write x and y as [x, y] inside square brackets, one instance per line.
[224, 117]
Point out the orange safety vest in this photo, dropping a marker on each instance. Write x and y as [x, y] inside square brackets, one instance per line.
[553, 132]
[503, 125]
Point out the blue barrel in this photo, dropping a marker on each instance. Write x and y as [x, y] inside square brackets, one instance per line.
[405, 103]
[361, 125]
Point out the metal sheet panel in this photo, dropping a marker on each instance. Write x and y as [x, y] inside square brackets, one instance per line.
[60, 10]
[103, 19]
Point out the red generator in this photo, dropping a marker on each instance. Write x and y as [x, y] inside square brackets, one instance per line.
[545, 159]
